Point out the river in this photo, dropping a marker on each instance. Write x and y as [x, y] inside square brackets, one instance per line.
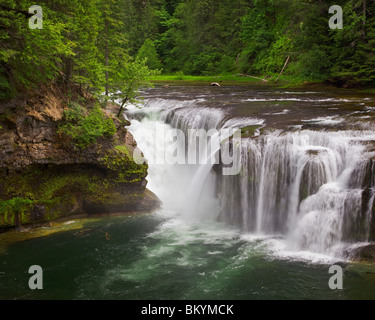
[270, 231]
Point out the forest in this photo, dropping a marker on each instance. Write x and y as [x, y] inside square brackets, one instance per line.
[116, 45]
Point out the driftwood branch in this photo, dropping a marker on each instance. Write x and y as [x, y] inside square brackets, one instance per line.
[282, 70]
[246, 75]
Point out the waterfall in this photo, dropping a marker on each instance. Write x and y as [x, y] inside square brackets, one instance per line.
[313, 188]
[305, 186]
[184, 188]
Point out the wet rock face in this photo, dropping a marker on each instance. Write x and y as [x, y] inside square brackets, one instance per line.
[365, 253]
[38, 213]
[33, 141]
[44, 176]
[368, 212]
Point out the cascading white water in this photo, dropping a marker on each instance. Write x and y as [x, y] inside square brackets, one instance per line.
[302, 185]
[306, 186]
[184, 188]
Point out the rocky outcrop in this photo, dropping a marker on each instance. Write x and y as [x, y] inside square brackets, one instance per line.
[44, 175]
[365, 253]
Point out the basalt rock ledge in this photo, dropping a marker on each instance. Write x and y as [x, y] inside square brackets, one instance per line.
[45, 176]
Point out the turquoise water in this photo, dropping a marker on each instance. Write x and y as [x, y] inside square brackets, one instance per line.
[160, 256]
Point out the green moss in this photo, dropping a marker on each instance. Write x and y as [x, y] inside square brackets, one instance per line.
[249, 131]
[55, 189]
[123, 149]
[15, 211]
[45, 192]
[122, 166]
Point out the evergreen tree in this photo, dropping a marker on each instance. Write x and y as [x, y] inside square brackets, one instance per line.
[148, 52]
[354, 46]
[93, 43]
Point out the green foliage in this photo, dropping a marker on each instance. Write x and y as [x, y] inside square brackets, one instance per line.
[355, 61]
[180, 75]
[277, 54]
[148, 52]
[314, 64]
[101, 44]
[84, 30]
[226, 65]
[119, 161]
[86, 127]
[29, 57]
[255, 37]
[17, 206]
[128, 78]
[82, 42]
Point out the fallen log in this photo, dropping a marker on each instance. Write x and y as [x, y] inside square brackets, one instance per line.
[282, 70]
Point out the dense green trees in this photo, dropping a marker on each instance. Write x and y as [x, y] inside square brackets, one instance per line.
[82, 43]
[29, 57]
[95, 43]
[355, 62]
[257, 36]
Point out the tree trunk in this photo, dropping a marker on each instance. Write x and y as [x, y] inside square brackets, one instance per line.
[122, 106]
[364, 20]
[68, 71]
[87, 92]
[106, 58]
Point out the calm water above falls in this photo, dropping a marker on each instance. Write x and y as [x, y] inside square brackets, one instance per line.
[270, 232]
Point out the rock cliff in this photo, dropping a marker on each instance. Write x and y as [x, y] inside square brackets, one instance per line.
[45, 176]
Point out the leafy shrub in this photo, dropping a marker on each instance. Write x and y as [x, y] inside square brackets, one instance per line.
[15, 206]
[86, 127]
[179, 75]
[225, 65]
[314, 64]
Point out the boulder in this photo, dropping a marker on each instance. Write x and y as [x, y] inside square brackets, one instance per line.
[365, 253]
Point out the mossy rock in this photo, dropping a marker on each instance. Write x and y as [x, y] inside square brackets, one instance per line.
[46, 193]
[122, 166]
[365, 254]
[126, 201]
[249, 131]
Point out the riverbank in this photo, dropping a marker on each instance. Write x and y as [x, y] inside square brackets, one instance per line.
[201, 80]
[233, 80]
